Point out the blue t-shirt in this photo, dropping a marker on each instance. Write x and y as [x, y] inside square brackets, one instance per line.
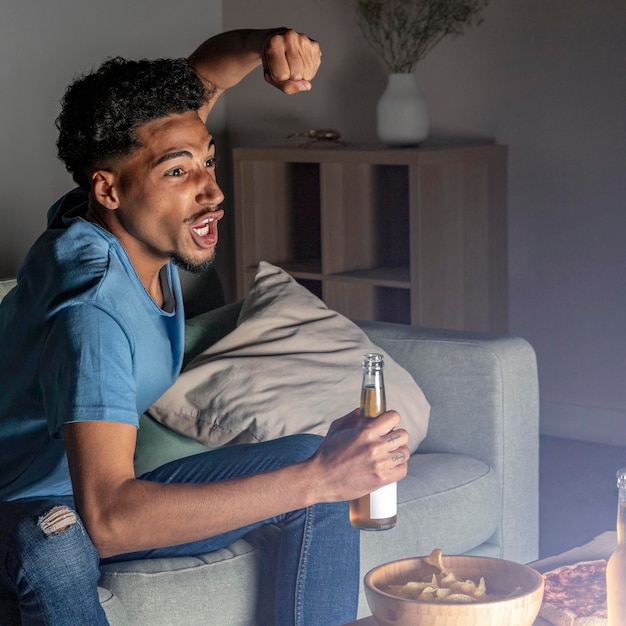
[81, 340]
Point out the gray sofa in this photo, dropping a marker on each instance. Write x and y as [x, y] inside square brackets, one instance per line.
[472, 486]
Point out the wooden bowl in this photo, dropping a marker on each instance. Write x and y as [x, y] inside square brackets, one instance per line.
[501, 577]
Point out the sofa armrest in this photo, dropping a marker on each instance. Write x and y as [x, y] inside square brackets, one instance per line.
[483, 390]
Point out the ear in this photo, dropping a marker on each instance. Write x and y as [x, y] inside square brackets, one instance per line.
[104, 185]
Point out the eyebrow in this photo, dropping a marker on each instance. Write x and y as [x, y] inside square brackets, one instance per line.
[181, 153]
[174, 155]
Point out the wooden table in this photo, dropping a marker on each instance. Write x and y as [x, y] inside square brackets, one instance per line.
[601, 547]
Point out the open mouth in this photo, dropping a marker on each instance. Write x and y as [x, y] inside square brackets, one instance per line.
[204, 231]
[204, 228]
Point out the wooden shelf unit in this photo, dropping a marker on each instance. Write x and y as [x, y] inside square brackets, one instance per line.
[416, 236]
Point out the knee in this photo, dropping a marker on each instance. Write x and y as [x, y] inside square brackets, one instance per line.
[57, 520]
[40, 520]
[288, 450]
[54, 539]
[301, 447]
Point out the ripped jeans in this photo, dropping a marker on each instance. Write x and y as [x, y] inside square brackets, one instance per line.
[49, 567]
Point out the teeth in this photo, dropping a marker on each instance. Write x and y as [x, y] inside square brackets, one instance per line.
[204, 229]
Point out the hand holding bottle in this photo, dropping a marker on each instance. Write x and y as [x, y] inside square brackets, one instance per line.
[359, 455]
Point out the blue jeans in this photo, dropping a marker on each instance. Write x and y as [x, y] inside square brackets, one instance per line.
[51, 578]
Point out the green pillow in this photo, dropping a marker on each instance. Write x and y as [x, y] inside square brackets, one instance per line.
[204, 330]
[157, 444]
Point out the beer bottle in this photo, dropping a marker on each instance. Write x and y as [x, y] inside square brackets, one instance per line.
[616, 567]
[377, 510]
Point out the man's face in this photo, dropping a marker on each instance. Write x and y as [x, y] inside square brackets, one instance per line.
[168, 196]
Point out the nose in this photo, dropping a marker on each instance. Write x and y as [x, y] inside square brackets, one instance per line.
[210, 192]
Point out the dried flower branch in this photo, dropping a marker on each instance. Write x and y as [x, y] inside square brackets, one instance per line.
[403, 32]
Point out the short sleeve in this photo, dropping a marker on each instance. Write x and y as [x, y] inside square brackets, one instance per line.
[86, 370]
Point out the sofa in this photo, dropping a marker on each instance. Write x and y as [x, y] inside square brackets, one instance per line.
[472, 486]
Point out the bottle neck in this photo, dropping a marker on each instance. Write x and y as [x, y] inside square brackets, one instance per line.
[373, 370]
[373, 401]
[373, 378]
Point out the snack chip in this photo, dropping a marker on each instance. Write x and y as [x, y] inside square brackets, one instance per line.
[444, 586]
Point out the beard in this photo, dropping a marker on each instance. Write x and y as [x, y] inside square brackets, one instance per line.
[194, 267]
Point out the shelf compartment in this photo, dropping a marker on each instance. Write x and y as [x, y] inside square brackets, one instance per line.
[310, 269]
[278, 216]
[366, 301]
[314, 286]
[364, 216]
[393, 277]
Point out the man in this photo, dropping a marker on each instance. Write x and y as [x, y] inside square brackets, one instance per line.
[93, 334]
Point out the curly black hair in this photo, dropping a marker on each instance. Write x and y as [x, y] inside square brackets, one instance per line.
[100, 111]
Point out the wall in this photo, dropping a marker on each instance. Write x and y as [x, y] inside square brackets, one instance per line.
[43, 45]
[546, 79]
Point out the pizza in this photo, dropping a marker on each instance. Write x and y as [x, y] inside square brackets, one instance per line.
[575, 595]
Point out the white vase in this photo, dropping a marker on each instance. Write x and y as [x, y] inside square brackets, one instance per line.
[402, 113]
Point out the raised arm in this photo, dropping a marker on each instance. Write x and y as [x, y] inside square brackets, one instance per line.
[290, 60]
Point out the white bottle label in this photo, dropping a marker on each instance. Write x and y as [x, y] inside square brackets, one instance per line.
[384, 502]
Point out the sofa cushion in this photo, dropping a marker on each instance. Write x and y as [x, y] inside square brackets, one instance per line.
[201, 588]
[291, 365]
[113, 608]
[452, 495]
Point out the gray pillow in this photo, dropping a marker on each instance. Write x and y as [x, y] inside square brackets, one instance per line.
[6, 284]
[290, 366]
